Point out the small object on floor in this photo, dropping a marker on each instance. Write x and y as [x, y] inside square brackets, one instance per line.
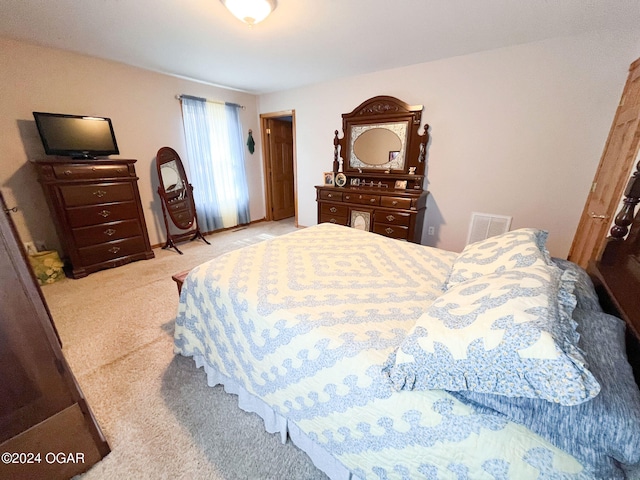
[47, 266]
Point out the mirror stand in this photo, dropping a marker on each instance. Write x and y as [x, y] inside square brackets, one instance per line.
[176, 195]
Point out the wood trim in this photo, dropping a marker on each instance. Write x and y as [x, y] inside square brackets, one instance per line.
[220, 230]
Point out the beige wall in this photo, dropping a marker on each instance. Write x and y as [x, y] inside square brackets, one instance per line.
[141, 104]
[517, 131]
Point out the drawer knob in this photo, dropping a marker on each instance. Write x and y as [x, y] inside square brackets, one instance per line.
[333, 220]
[360, 197]
[67, 172]
[99, 193]
[93, 169]
[391, 218]
[333, 209]
[394, 202]
[389, 230]
[109, 232]
[347, 197]
[114, 249]
[329, 195]
[373, 200]
[104, 213]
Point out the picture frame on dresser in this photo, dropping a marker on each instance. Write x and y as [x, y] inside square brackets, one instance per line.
[329, 178]
[340, 179]
[361, 220]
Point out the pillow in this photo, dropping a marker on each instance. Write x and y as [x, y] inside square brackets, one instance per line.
[607, 425]
[586, 296]
[516, 249]
[507, 333]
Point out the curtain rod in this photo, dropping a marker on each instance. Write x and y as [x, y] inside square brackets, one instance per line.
[179, 97]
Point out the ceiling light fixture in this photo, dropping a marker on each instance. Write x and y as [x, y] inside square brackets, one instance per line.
[250, 11]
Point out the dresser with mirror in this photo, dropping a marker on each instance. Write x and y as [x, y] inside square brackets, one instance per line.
[376, 183]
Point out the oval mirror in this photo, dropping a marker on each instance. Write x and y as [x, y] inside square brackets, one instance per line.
[377, 146]
[177, 198]
[170, 176]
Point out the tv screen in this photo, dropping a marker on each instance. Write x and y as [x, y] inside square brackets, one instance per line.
[76, 135]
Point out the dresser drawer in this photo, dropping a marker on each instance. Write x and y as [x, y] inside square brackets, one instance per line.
[330, 195]
[74, 195]
[395, 202]
[329, 209]
[391, 231]
[81, 172]
[97, 214]
[182, 216]
[392, 217]
[178, 205]
[362, 198]
[111, 250]
[107, 232]
[328, 218]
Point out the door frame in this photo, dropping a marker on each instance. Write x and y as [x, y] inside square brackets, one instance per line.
[266, 161]
[577, 252]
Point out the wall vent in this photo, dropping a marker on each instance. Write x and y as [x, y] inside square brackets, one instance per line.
[485, 225]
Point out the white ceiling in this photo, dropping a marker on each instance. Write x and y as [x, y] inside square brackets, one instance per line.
[303, 41]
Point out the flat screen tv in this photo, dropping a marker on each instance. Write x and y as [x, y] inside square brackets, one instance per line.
[76, 136]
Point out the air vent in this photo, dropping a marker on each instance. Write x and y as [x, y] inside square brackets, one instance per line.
[485, 225]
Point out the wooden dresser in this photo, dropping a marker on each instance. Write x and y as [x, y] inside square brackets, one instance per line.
[392, 214]
[97, 212]
[378, 171]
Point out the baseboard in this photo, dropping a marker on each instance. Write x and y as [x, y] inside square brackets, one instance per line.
[220, 230]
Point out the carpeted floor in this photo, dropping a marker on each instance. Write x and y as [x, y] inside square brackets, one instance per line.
[156, 410]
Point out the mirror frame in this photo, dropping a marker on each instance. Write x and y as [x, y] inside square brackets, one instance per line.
[177, 203]
[167, 155]
[376, 112]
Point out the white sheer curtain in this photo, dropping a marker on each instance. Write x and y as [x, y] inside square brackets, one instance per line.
[215, 161]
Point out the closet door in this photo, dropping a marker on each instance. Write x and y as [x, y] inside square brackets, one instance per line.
[42, 411]
[619, 155]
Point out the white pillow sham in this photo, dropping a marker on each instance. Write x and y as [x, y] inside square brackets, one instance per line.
[508, 333]
[524, 247]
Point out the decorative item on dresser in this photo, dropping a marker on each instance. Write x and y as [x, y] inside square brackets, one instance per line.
[381, 163]
[97, 211]
[47, 429]
[176, 195]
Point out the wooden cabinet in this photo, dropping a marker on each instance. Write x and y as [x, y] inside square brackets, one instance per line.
[378, 171]
[43, 412]
[97, 212]
[394, 214]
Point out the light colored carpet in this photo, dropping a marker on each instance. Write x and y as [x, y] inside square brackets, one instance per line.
[156, 410]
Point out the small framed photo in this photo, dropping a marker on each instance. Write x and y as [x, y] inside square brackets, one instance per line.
[329, 178]
[401, 184]
[355, 182]
[341, 179]
[361, 220]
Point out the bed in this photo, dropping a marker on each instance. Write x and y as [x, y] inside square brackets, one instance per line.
[307, 329]
[387, 359]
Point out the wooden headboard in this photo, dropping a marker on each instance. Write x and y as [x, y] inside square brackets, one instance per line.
[617, 274]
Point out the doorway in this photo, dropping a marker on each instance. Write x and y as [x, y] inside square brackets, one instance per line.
[278, 132]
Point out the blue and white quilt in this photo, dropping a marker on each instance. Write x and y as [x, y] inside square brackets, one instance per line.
[305, 322]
